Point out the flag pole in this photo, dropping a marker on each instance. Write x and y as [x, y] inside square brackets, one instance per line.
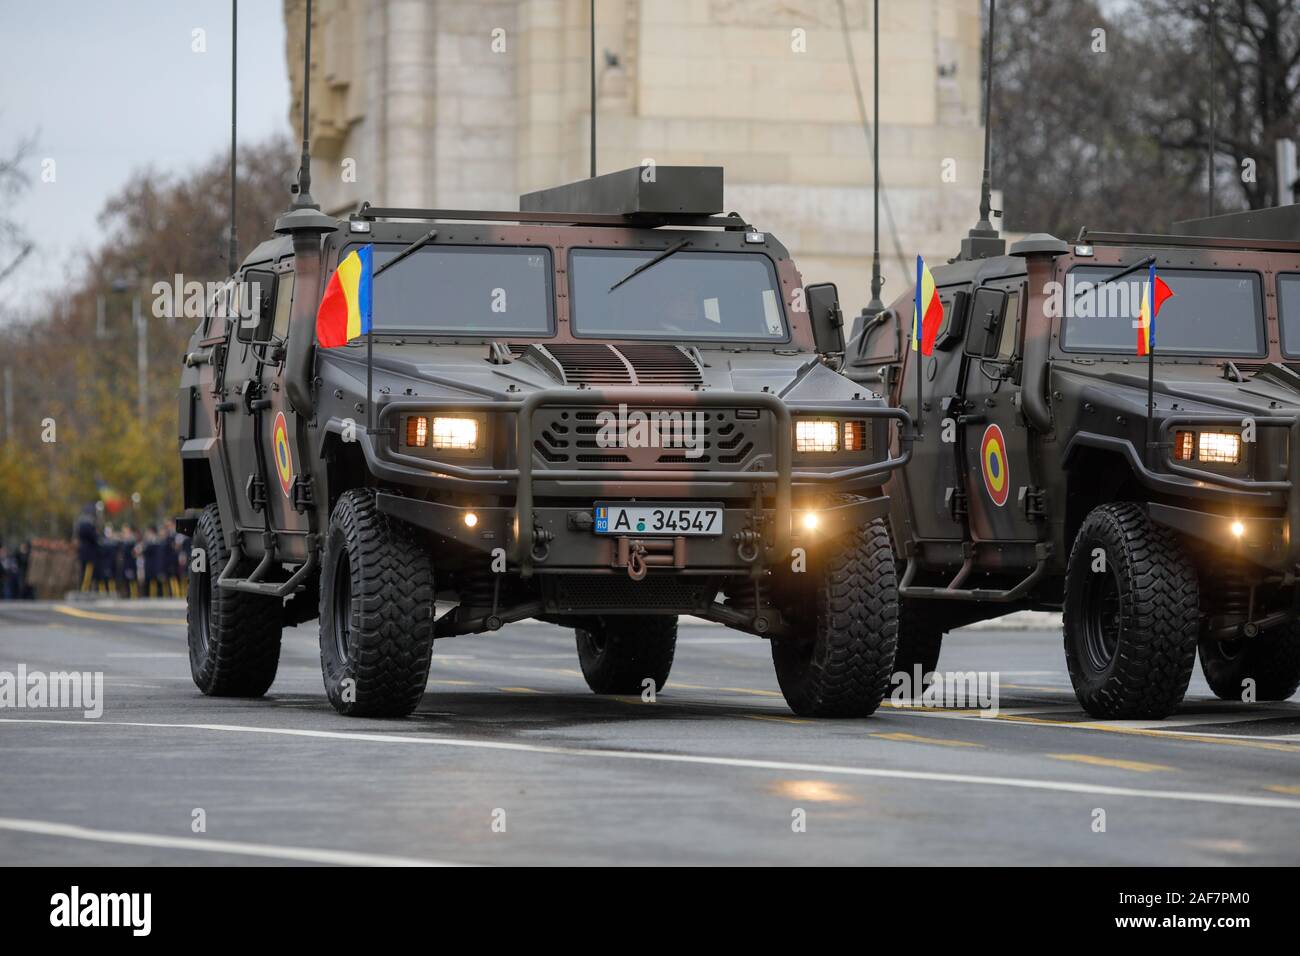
[916, 344]
[1151, 366]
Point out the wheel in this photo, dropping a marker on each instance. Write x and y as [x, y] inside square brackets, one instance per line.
[919, 641]
[1132, 614]
[1271, 659]
[619, 654]
[233, 636]
[839, 662]
[376, 611]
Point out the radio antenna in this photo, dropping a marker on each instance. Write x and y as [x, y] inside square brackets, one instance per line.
[1214, 23]
[983, 241]
[593, 89]
[302, 189]
[233, 252]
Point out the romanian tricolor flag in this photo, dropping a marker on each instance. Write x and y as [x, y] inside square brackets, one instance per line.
[929, 310]
[344, 312]
[1154, 294]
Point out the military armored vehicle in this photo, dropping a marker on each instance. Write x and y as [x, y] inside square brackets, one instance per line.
[607, 409]
[1151, 499]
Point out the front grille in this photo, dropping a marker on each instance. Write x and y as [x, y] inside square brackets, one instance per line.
[617, 593]
[590, 437]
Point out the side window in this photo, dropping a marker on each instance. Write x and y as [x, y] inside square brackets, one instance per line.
[283, 301]
[1010, 328]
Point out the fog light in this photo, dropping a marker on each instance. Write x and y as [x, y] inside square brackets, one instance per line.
[1238, 529]
[810, 521]
[471, 519]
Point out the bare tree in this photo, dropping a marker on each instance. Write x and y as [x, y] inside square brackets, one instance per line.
[15, 244]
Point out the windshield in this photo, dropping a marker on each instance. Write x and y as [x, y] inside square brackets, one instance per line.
[478, 290]
[706, 296]
[1210, 313]
[1288, 309]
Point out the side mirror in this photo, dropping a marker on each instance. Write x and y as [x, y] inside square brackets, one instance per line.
[256, 307]
[823, 301]
[984, 329]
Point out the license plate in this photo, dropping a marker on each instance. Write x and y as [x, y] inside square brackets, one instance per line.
[658, 519]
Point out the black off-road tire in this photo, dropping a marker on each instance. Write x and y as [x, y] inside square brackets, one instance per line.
[376, 611]
[1271, 659]
[920, 640]
[841, 662]
[1130, 629]
[618, 654]
[233, 636]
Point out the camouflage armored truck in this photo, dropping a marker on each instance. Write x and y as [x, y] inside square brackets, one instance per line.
[1151, 499]
[603, 411]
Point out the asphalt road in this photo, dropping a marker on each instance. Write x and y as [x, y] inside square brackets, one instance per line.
[511, 760]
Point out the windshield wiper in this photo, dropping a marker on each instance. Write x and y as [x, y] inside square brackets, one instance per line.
[1112, 278]
[418, 244]
[675, 247]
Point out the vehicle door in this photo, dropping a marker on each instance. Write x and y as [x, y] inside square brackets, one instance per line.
[283, 432]
[244, 416]
[1002, 499]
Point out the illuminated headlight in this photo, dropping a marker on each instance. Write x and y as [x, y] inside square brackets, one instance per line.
[460, 434]
[457, 433]
[1223, 448]
[816, 436]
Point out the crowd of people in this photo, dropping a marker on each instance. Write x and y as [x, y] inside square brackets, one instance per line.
[125, 562]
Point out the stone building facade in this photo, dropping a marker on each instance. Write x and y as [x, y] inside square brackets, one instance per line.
[468, 103]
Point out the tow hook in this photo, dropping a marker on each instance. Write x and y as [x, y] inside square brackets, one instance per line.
[636, 567]
[747, 545]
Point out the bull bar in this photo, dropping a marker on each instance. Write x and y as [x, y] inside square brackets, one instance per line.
[782, 414]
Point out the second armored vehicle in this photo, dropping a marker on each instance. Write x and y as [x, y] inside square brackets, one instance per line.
[1152, 499]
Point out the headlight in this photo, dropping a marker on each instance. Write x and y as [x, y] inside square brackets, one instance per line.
[460, 434]
[1223, 448]
[816, 436]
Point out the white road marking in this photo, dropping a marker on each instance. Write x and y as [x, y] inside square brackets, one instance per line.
[204, 845]
[147, 654]
[1021, 783]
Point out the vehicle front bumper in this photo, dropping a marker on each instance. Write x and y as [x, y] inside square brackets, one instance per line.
[566, 541]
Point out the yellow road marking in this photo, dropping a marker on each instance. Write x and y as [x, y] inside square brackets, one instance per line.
[1137, 765]
[519, 690]
[916, 739]
[1145, 732]
[457, 683]
[783, 720]
[750, 690]
[1283, 788]
[118, 618]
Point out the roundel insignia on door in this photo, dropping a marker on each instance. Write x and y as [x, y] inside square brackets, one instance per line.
[283, 459]
[993, 462]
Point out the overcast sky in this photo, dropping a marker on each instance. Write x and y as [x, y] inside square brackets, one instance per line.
[110, 86]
